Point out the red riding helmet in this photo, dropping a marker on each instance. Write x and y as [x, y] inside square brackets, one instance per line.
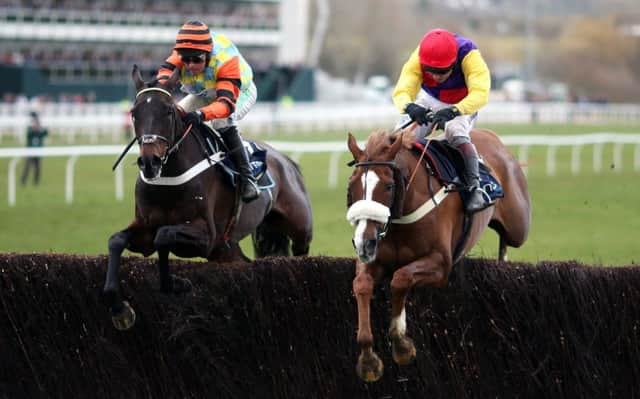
[438, 49]
[194, 35]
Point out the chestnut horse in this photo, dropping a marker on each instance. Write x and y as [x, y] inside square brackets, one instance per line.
[411, 234]
[185, 205]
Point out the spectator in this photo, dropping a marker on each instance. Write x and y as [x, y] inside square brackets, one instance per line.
[35, 138]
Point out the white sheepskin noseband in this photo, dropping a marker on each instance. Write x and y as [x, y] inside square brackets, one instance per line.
[368, 210]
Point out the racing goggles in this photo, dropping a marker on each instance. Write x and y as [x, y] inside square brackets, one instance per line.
[437, 71]
[193, 59]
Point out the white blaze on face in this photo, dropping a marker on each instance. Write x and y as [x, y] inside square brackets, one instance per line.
[369, 180]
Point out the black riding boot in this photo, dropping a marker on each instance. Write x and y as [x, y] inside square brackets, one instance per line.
[477, 200]
[248, 187]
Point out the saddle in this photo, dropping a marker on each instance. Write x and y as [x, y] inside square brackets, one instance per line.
[256, 154]
[448, 167]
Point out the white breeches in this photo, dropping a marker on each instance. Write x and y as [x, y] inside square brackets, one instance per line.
[458, 126]
[246, 100]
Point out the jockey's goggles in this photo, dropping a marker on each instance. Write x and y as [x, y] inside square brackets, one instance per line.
[193, 59]
[437, 71]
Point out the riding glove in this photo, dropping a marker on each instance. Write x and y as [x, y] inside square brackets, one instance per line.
[418, 113]
[444, 115]
[194, 118]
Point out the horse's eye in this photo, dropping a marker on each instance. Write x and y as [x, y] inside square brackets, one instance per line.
[389, 186]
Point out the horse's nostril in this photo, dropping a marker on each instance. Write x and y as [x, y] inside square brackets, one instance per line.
[370, 245]
[140, 162]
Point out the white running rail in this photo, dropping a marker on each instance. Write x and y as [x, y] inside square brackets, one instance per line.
[93, 122]
[337, 149]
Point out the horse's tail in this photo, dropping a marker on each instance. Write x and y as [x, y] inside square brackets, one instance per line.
[270, 242]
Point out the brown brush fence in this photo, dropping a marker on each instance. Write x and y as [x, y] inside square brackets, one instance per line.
[285, 328]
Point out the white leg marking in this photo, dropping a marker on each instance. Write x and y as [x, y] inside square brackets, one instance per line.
[399, 324]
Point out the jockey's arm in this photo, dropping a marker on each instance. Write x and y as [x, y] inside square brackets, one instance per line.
[409, 82]
[478, 80]
[168, 66]
[228, 85]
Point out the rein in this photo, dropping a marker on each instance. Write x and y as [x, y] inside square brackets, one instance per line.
[424, 150]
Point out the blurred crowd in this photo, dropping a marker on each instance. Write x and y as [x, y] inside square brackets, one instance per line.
[229, 13]
[88, 62]
[35, 101]
[62, 61]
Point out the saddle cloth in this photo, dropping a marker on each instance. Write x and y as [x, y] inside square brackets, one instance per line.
[448, 167]
[257, 160]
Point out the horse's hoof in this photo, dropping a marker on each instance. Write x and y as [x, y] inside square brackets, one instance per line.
[181, 285]
[125, 319]
[403, 350]
[369, 367]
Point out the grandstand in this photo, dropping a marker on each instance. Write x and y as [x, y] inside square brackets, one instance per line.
[78, 47]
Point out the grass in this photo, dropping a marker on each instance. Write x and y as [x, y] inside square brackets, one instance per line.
[592, 218]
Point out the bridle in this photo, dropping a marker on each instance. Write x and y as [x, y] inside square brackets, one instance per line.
[172, 146]
[376, 211]
[153, 138]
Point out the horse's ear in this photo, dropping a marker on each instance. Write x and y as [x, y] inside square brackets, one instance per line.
[353, 147]
[396, 144]
[408, 137]
[137, 78]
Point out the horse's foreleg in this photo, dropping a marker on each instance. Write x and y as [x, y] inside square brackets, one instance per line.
[166, 284]
[502, 250]
[187, 240]
[369, 366]
[122, 314]
[424, 271]
[170, 283]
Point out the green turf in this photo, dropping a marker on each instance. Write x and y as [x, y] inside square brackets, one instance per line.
[592, 218]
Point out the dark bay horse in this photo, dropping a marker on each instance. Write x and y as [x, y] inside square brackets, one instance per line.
[410, 233]
[184, 206]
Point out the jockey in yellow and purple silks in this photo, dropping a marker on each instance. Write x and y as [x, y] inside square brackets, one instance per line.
[447, 75]
[219, 86]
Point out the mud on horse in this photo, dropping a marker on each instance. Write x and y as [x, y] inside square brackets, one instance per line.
[410, 235]
[185, 205]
